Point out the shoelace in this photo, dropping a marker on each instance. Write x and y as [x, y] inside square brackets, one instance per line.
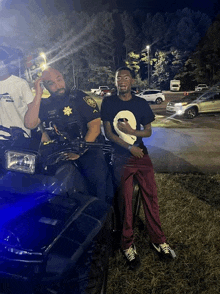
[130, 253]
[165, 248]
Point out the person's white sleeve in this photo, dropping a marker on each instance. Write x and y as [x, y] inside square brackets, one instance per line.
[27, 94]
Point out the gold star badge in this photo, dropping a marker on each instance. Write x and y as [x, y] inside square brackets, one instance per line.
[67, 110]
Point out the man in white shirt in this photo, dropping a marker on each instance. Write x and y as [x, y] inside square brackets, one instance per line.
[15, 96]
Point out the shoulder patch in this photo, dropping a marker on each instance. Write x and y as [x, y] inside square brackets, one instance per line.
[90, 101]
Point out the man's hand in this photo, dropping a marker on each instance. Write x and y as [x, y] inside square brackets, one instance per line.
[137, 152]
[125, 127]
[45, 137]
[37, 87]
[71, 156]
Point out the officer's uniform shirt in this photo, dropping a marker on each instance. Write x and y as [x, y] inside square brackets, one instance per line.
[69, 114]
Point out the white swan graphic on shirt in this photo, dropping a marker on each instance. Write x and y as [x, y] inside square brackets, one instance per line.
[129, 116]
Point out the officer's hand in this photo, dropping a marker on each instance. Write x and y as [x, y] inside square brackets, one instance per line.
[137, 152]
[45, 137]
[125, 127]
[37, 87]
[71, 156]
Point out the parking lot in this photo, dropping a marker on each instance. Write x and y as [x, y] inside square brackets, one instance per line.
[164, 119]
[204, 120]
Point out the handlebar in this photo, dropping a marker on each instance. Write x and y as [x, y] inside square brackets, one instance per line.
[57, 151]
[53, 151]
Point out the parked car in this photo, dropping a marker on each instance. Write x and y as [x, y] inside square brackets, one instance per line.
[99, 90]
[151, 95]
[175, 85]
[108, 92]
[53, 233]
[201, 87]
[192, 105]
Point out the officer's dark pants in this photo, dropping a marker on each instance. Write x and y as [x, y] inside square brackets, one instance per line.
[94, 168]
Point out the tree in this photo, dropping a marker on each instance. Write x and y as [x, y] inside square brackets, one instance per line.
[133, 33]
[161, 73]
[100, 54]
[83, 44]
[203, 65]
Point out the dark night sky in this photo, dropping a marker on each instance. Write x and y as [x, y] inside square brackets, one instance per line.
[15, 15]
[211, 7]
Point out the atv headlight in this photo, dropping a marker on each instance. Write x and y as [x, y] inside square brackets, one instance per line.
[18, 161]
[8, 238]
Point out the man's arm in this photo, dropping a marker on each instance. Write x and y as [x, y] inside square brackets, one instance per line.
[136, 151]
[94, 127]
[92, 133]
[31, 119]
[127, 129]
[112, 137]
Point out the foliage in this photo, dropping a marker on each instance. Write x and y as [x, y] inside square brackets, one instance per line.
[203, 65]
[133, 33]
[100, 54]
[81, 44]
[103, 74]
[172, 38]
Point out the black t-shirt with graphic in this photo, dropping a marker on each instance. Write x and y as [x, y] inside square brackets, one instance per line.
[136, 111]
[70, 113]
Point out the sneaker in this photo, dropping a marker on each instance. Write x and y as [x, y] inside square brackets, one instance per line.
[164, 250]
[133, 259]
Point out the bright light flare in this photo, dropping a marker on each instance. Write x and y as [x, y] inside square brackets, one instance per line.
[43, 55]
[43, 66]
[180, 112]
[71, 44]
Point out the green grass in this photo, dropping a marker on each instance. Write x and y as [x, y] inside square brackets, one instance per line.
[190, 217]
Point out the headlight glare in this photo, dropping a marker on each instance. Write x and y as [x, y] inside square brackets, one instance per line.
[180, 112]
[18, 161]
[181, 104]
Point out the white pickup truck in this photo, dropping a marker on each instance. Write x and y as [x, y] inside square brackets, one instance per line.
[175, 85]
[99, 90]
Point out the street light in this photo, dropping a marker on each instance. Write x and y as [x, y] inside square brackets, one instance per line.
[43, 55]
[43, 65]
[148, 54]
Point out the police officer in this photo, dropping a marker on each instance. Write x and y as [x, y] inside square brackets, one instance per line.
[73, 114]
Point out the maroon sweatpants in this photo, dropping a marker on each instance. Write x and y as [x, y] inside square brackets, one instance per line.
[142, 169]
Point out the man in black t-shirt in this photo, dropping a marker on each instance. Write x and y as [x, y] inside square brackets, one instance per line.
[123, 115]
[72, 115]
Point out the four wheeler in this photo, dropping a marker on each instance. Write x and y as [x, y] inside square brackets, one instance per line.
[54, 236]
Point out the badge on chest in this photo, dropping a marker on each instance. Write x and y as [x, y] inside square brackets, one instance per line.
[67, 110]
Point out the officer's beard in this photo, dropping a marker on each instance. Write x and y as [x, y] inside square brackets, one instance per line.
[60, 93]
